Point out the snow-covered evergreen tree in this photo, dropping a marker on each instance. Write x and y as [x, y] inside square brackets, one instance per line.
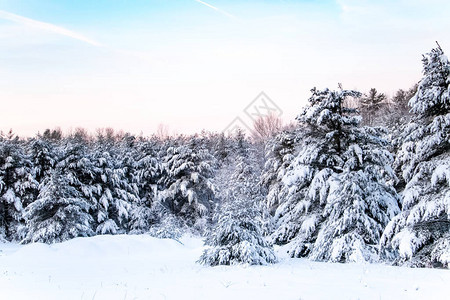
[336, 201]
[360, 203]
[237, 236]
[433, 96]
[17, 187]
[167, 224]
[280, 151]
[420, 234]
[115, 190]
[399, 114]
[108, 211]
[372, 106]
[128, 186]
[188, 189]
[76, 163]
[43, 157]
[60, 212]
[223, 149]
[145, 212]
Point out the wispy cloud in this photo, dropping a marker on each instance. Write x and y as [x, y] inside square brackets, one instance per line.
[46, 26]
[216, 9]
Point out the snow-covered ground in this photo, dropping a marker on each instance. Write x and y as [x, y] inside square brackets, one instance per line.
[142, 267]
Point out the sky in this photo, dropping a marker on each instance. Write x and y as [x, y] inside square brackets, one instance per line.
[193, 65]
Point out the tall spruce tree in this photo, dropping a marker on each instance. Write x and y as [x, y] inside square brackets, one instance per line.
[17, 186]
[60, 213]
[420, 234]
[280, 151]
[237, 235]
[189, 191]
[336, 199]
[370, 106]
[43, 156]
[148, 171]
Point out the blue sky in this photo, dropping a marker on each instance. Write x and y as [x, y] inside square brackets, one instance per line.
[194, 64]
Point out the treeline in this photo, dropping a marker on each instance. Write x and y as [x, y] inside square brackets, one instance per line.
[332, 187]
[56, 187]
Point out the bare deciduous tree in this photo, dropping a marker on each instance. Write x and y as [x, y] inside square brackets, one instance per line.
[162, 132]
[266, 127]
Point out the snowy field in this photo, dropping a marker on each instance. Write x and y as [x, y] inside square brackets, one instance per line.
[142, 267]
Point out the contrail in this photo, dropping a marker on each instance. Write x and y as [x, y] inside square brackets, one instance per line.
[216, 9]
[46, 26]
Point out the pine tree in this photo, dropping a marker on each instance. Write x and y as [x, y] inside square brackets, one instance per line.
[127, 189]
[433, 96]
[103, 195]
[189, 191]
[237, 236]
[75, 162]
[17, 186]
[280, 151]
[222, 149]
[43, 157]
[60, 212]
[145, 213]
[400, 114]
[328, 213]
[370, 106]
[360, 202]
[115, 191]
[305, 183]
[420, 234]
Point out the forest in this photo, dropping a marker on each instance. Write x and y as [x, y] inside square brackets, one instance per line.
[358, 177]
